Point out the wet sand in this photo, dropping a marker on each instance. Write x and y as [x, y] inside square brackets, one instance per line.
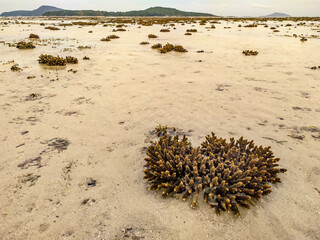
[71, 158]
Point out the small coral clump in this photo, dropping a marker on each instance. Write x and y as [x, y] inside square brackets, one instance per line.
[303, 39]
[113, 36]
[85, 23]
[152, 36]
[156, 46]
[34, 36]
[315, 68]
[251, 25]
[70, 59]
[192, 30]
[107, 39]
[51, 60]
[179, 48]
[84, 47]
[25, 45]
[52, 28]
[144, 43]
[229, 174]
[249, 53]
[188, 34]
[165, 30]
[119, 30]
[170, 47]
[15, 68]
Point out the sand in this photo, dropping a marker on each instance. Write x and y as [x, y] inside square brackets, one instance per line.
[105, 108]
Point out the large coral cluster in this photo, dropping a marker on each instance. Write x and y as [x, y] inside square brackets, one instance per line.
[227, 174]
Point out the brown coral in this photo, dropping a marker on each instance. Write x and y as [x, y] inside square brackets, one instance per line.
[70, 59]
[25, 45]
[156, 46]
[52, 28]
[170, 47]
[152, 36]
[249, 53]
[51, 60]
[34, 36]
[107, 39]
[113, 36]
[230, 174]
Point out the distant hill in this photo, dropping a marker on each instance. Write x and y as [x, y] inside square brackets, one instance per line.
[277, 14]
[150, 12]
[37, 12]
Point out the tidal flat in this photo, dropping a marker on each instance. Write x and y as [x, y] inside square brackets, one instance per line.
[73, 137]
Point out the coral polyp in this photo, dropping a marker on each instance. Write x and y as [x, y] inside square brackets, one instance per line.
[227, 174]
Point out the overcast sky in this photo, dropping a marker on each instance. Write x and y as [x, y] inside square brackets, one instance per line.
[218, 7]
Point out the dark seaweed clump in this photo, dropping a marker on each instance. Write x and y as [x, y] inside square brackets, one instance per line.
[144, 43]
[25, 45]
[249, 53]
[227, 174]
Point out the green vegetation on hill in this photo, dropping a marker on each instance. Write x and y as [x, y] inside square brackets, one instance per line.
[150, 12]
[37, 12]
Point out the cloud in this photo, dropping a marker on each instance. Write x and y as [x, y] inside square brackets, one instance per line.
[257, 5]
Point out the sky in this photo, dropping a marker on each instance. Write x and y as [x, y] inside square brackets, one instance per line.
[217, 7]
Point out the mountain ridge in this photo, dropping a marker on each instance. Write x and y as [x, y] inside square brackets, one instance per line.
[36, 12]
[149, 12]
[276, 14]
